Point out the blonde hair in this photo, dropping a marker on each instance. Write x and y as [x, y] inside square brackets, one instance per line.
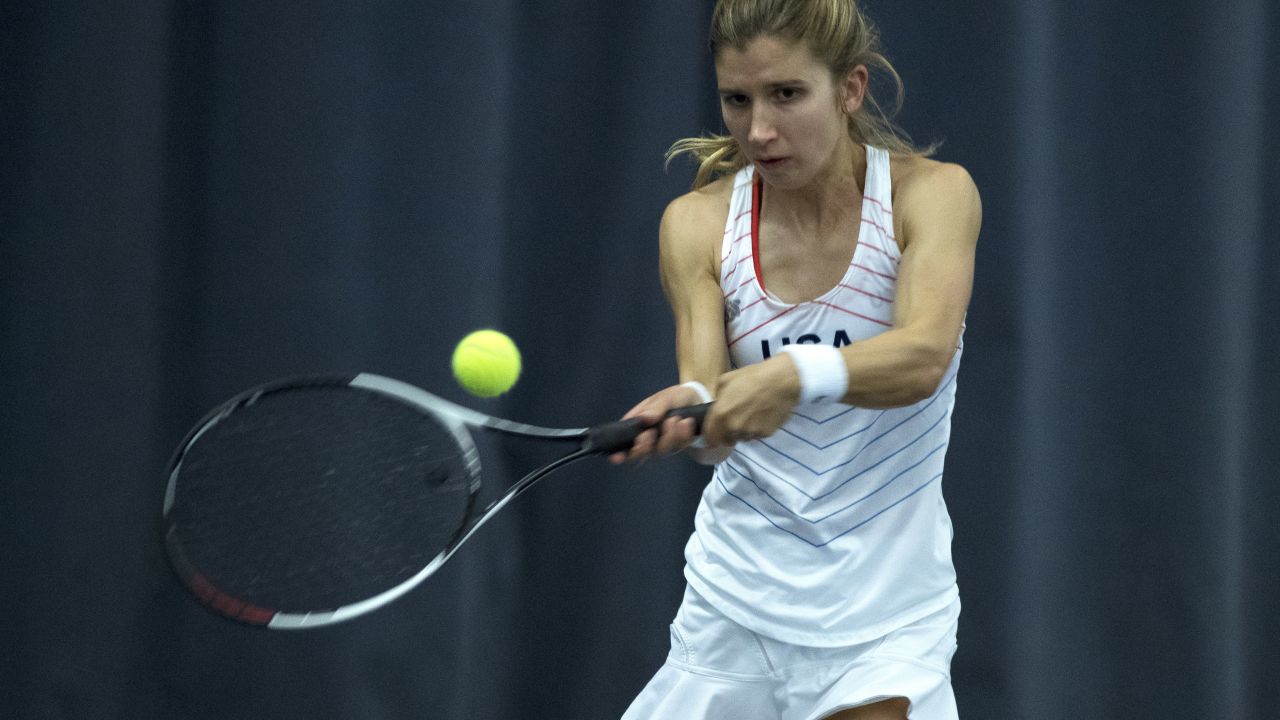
[839, 35]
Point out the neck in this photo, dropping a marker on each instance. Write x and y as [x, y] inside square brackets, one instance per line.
[825, 199]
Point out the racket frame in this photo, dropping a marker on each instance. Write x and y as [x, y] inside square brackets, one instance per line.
[458, 420]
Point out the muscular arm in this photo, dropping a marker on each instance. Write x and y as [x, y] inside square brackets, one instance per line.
[689, 257]
[689, 267]
[941, 214]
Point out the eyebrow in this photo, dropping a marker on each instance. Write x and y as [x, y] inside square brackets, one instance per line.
[769, 86]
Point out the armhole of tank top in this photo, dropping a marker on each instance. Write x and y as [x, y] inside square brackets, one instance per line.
[880, 192]
[728, 246]
[880, 188]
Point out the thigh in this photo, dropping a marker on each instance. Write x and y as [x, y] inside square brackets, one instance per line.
[891, 709]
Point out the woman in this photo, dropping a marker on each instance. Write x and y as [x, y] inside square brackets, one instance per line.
[819, 290]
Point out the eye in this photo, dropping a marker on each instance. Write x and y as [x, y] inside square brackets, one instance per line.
[734, 100]
[787, 94]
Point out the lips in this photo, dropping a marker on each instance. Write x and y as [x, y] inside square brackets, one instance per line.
[771, 162]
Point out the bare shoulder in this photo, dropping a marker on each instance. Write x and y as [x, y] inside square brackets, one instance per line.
[697, 209]
[929, 192]
[693, 224]
[917, 178]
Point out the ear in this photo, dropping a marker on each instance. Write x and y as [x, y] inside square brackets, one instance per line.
[854, 89]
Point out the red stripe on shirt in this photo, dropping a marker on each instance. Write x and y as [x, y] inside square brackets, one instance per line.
[858, 315]
[882, 251]
[879, 204]
[766, 322]
[873, 272]
[735, 268]
[877, 226]
[731, 244]
[740, 286]
[733, 223]
[864, 292]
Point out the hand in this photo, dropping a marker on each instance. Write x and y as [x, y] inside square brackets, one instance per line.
[752, 402]
[663, 436]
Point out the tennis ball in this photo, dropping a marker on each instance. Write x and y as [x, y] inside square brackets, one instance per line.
[486, 363]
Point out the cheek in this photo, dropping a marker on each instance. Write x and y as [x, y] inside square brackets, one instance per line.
[731, 121]
[820, 131]
[737, 127]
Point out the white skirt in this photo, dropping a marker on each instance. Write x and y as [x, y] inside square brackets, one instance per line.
[719, 670]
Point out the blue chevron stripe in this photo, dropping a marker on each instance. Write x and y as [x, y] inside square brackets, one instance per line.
[870, 442]
[814, 521]
[831, 539]
[816, 421]
[853, 477]
[806, 441]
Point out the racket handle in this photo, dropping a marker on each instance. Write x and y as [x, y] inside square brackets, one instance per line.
[621, 434]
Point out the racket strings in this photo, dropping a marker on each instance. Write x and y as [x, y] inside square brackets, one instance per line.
[316, 498]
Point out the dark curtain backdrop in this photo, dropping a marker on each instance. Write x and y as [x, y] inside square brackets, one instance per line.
[199, 197]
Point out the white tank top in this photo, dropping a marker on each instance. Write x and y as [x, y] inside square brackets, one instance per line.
[832, 531]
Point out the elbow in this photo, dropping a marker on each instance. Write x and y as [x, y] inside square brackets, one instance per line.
[929, 373]
[921, 387]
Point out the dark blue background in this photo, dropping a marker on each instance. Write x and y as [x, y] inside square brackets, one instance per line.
[196, 198]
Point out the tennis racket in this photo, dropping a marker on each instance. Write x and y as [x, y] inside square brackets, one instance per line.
[310, 501]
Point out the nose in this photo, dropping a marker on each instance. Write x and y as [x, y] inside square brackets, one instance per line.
[762, 128]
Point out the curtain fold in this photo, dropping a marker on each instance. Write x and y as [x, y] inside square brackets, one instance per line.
[196, 198]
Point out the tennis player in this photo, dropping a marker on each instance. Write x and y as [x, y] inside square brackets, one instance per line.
[819, 274]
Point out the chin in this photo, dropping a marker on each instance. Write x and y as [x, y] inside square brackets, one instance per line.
[784, 178]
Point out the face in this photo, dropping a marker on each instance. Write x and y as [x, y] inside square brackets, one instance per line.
[785, 110]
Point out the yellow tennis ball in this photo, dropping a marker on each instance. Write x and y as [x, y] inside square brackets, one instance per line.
[486, 363]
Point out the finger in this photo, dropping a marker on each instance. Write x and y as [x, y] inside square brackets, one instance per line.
[643, 446]
[646, 414]
[690, 427]
[677, 433]
[714, 438]
[715, 429]
[651, 409]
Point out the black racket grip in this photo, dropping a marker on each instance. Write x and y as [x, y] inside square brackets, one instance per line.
[621, 434]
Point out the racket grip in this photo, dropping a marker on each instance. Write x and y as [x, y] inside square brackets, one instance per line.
[697, 412]
[621, 434]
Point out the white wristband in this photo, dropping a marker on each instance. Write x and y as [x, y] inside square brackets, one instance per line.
[699, 388]
[823, 374]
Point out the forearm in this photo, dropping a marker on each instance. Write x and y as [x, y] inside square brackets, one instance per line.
[706, 376]
[896, 368]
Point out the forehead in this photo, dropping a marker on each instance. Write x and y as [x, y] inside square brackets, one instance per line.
[767, 60]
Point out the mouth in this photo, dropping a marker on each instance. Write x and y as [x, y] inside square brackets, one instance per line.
[771, 162]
